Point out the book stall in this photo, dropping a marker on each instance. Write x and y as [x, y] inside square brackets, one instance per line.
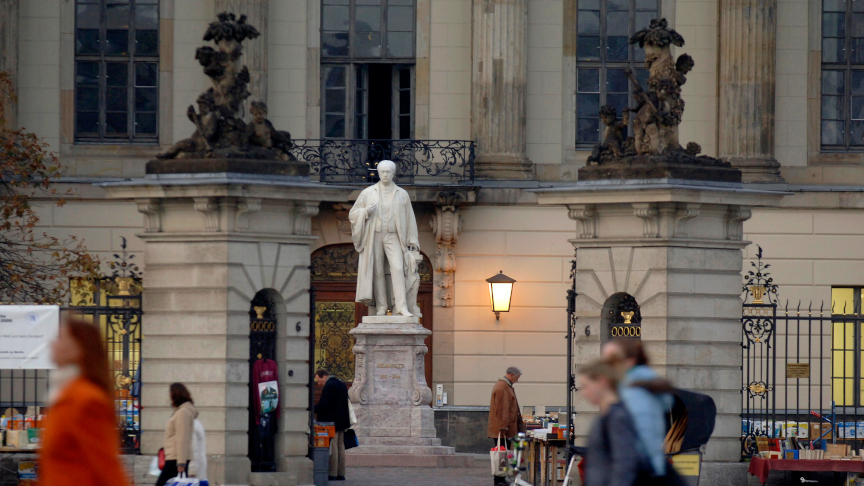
[547, 447]
[807, 447]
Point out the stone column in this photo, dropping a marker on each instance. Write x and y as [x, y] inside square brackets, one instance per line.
[499, 89]
[211, 244]
[676, 249]
[9, 57]
[255, 50]
[748, 71]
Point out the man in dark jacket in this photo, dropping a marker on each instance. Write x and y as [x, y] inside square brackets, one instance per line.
[505, 418]
[333, 407]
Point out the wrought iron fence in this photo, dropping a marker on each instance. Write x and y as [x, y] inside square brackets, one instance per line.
[442, 162]
[801, 368]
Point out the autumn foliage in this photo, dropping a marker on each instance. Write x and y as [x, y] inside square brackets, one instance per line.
[35, 268]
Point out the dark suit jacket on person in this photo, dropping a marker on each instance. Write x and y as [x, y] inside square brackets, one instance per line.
[614, 457]
[504, 414]
[333, 404]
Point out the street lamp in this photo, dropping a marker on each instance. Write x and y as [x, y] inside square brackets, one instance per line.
[500, 292]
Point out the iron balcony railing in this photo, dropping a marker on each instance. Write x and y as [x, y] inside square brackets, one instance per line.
[436, 162]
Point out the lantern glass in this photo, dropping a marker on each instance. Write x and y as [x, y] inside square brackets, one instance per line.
[500, 294]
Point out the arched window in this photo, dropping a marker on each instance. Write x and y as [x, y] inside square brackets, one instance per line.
[620, 318]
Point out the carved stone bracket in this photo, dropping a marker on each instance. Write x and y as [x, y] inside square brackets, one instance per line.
[683, 215]
[735, 217]
[446, 225]
[343, 225]
[245, 207]
[650, 219]
[303, 214]
[586, 214]
[357, 393]
[152, 210]
[209, 206]
[422, 394]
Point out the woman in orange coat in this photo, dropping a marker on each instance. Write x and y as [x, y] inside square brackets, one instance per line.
[80, 443]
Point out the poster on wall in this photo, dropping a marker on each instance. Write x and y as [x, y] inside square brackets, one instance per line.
[26, 332]
[268, 391]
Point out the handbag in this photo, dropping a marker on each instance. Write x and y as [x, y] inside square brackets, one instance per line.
[498, 456]
[350, 439]
[161, 456]
[352, 417]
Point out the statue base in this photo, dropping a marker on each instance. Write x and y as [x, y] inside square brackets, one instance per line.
[228, 165]
[677, 165]
[390, 395]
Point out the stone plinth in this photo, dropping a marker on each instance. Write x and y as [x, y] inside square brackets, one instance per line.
[675, 246]
[390, 394]
[212, 241]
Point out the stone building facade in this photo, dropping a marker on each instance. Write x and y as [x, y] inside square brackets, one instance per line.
[777, 89]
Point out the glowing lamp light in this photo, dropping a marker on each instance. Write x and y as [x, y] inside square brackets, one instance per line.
[500, 292]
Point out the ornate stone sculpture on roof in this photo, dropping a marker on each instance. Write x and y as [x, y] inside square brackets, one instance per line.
[220, 131]
[654, 150]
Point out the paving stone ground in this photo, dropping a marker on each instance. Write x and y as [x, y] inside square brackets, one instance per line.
[415, 476]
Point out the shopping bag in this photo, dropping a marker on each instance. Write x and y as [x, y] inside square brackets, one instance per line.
[183, 480]
[350, 439]
[161, 456]
[154, 467]
[352, 417]
[498, 456]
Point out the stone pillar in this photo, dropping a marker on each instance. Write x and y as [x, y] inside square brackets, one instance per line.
[9, 57]
[255, 50]
[677, 250]
[748, 71]
[210, 244]
[499, 89]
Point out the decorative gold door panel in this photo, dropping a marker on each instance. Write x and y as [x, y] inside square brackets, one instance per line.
[333, 344]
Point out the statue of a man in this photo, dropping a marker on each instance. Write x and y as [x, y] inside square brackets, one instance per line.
[384, 232]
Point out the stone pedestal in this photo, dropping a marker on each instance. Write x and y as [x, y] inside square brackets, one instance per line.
[676, 248]
[499, 89]
[390, 395]
[748, 72]
[212, 241]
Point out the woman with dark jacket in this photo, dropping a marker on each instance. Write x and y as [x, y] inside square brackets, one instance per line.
[178, 434]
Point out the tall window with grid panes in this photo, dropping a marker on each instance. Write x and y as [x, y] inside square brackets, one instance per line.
[116, 71]
[603, 53]
[367, 60]
[847, 346]
[842, 75]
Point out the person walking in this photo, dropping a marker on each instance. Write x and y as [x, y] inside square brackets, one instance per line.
[645, 395]
[178, 434]
[80, 442]
[613, 457]
[505, 418]
[333, 407]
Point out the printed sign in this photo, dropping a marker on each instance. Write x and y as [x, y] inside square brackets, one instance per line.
[797, 370]
[25, 334]
[269, 393]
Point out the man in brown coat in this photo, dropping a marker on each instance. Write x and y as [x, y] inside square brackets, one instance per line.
[504, 415]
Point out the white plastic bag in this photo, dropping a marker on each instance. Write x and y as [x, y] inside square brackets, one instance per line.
[352, 417]
[182, 481]
[154, 467]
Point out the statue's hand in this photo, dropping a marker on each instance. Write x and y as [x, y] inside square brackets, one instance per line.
[413, 248]
[370, 210]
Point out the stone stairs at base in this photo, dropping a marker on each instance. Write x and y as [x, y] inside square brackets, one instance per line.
[408, 459]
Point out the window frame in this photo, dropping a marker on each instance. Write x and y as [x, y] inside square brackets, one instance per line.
[603, 65]
[350, 114]
[384, 31]
[847, 67]
[131, 59]
[856, 320]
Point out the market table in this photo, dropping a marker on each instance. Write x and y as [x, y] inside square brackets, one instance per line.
[760, 467]
[543, 458]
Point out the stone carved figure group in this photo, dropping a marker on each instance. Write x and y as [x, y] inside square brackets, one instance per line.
[219, 127]
[659, 108]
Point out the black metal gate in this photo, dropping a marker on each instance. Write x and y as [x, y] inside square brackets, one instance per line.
[801, 367]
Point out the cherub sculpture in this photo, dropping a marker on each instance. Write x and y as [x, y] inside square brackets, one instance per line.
[615, 142]
[262, 133]
[220, 129]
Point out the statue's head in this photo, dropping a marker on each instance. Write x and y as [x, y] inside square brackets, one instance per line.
[258, 110]
[386, 171]
[608, 114]
[206, 102]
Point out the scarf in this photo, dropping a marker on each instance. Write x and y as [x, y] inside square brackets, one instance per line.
[59, 379]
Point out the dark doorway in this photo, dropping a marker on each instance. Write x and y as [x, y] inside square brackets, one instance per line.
[380, 101]
[262, 355]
